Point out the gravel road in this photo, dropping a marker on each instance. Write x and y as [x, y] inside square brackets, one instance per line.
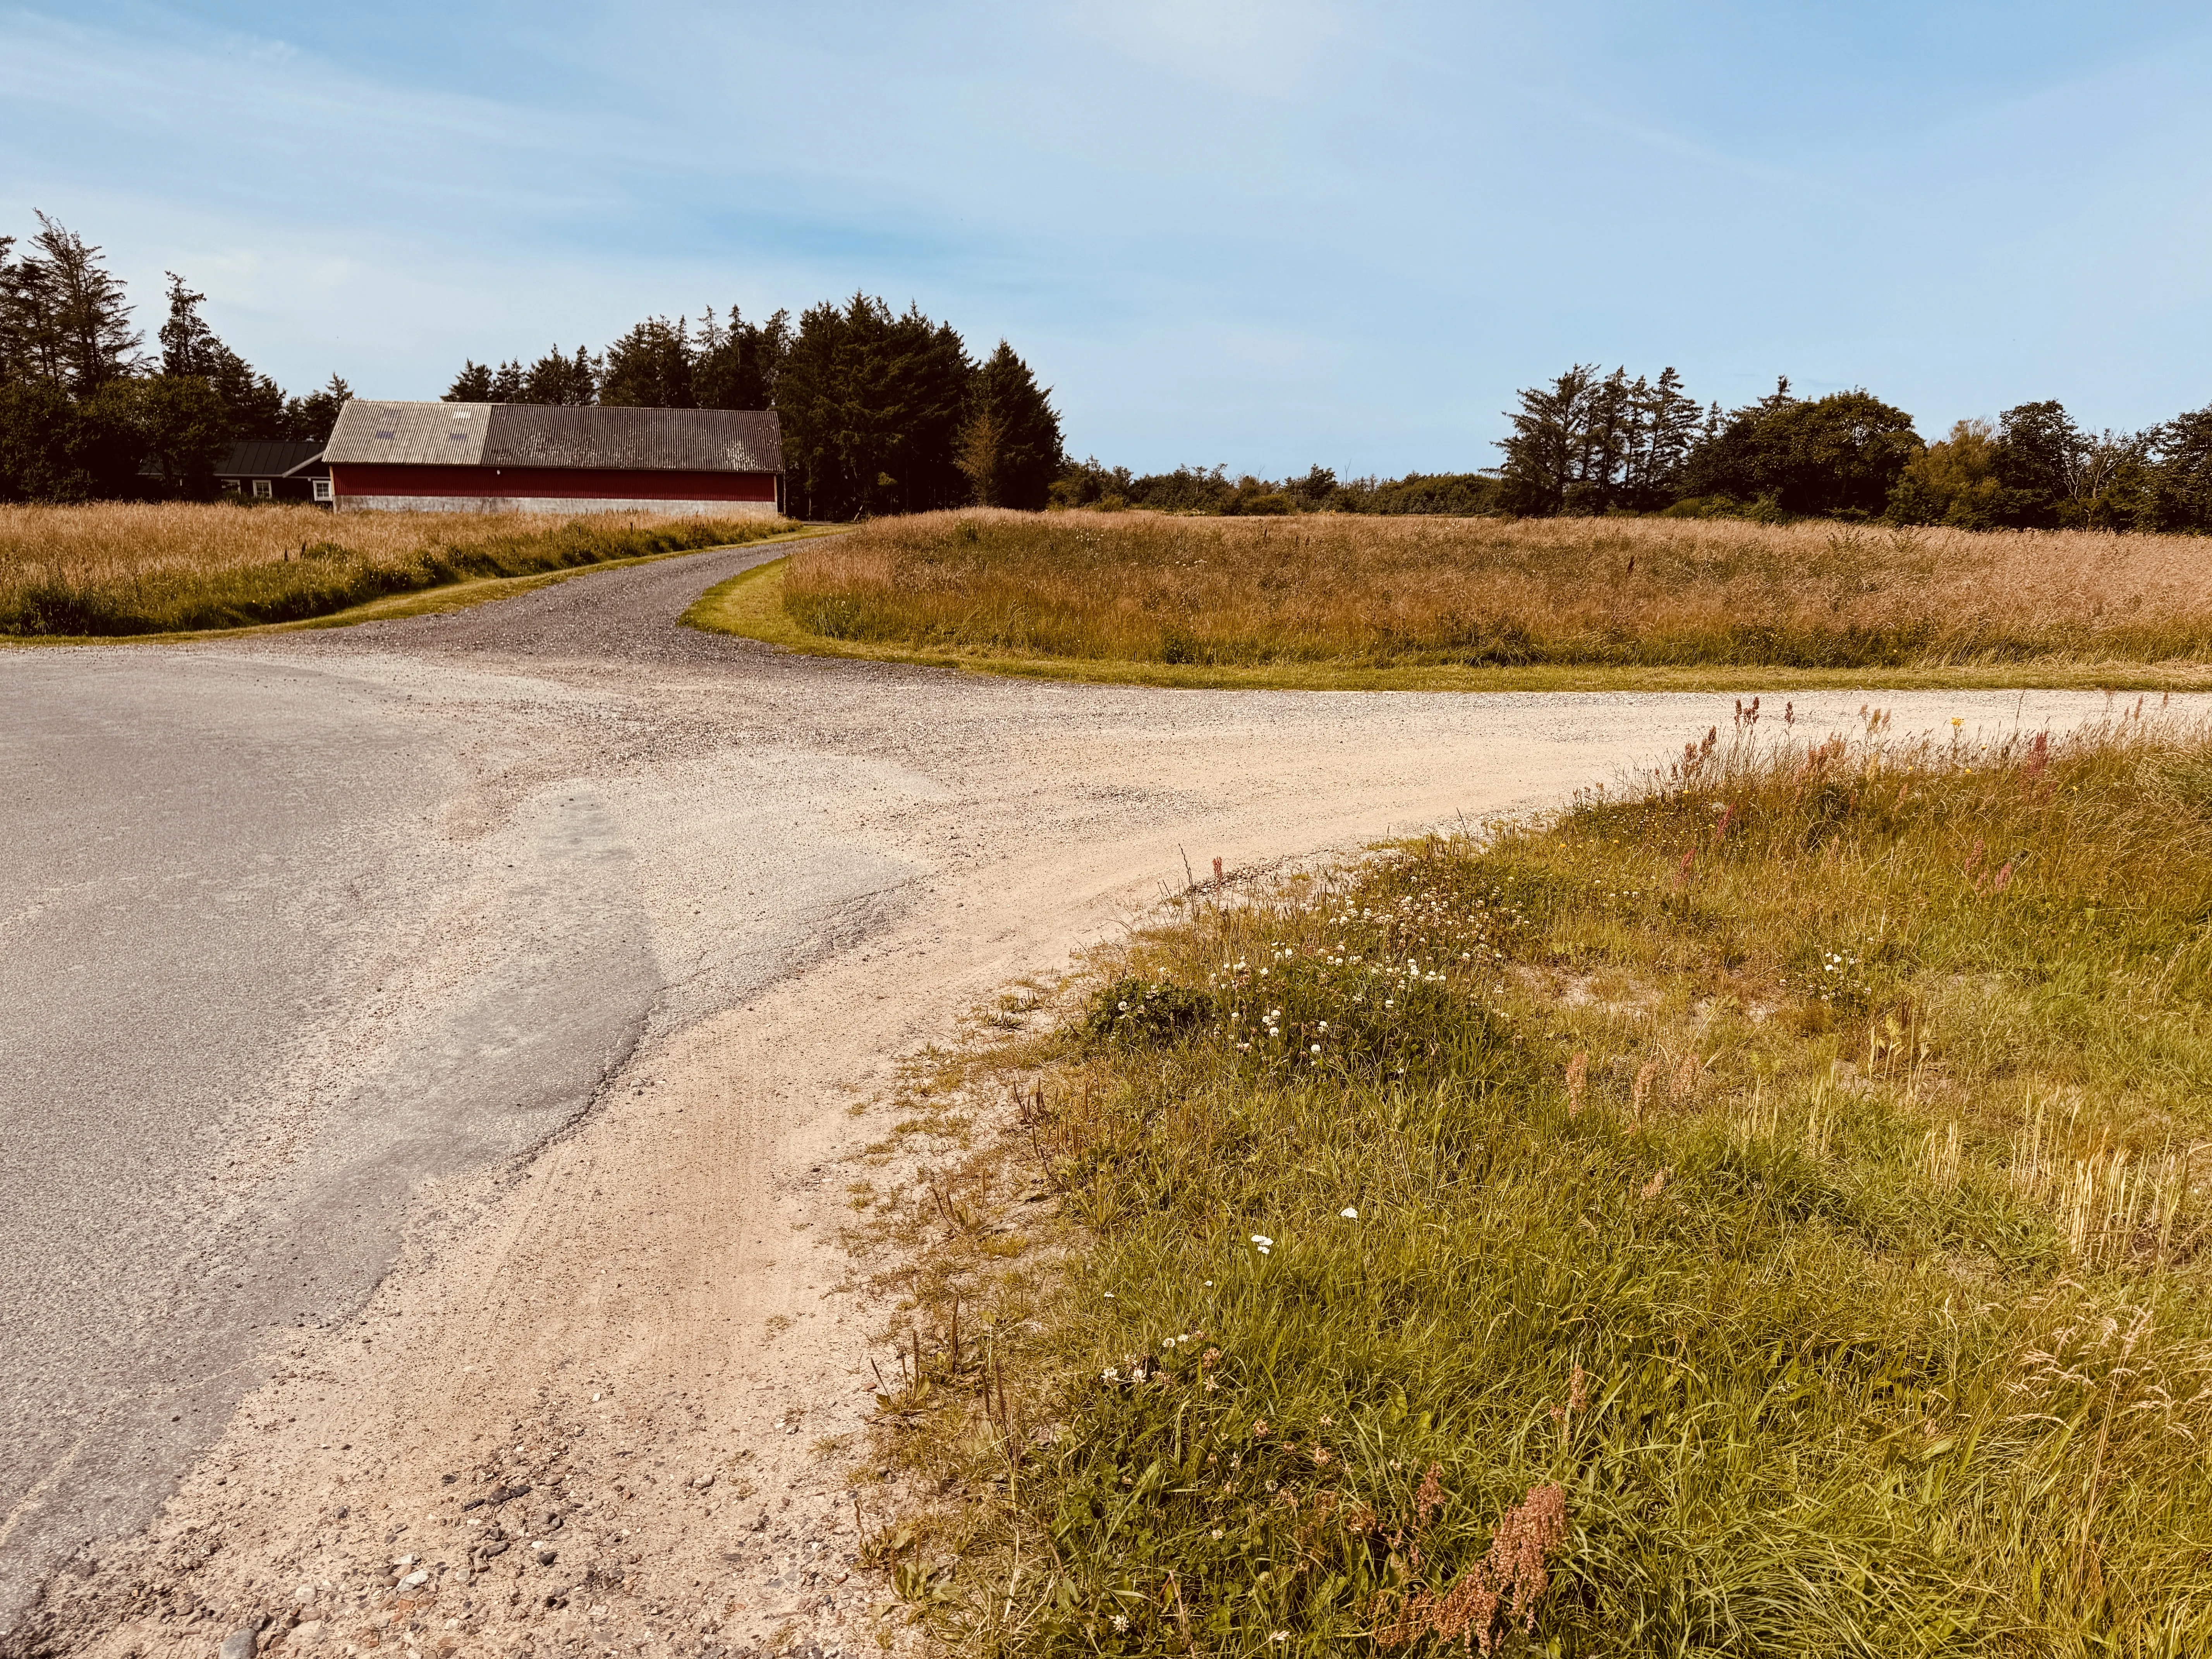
[410, 1028]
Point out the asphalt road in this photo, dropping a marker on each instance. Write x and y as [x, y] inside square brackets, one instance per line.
[304, 940]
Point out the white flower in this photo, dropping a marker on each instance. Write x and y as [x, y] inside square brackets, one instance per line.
[1349, 1213]
[1316, 1048]
[1108, 1375]
[1261, 1238]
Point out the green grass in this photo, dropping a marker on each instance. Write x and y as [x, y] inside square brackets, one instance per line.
[437, 600]
[329, 580]
[751, 605]
[1848, 1290]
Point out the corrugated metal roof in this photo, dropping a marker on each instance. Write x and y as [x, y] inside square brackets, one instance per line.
[265, 457]
[418, 434]
[535, 435]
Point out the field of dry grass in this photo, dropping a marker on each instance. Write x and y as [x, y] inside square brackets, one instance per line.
[1381, 592]
[127, 568]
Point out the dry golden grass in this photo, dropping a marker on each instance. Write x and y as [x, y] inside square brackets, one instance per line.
[1373, 592]
[120, 568]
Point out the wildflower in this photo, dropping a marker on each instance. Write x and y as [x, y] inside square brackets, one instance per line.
[1260, 1429]
[1109, 1375]
[1263, 1241]
[1121, 1624]
[1316, 1048]
[1348, 1214]
[1217, 1532]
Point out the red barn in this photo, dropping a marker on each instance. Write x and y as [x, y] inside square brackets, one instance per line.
[534, 457]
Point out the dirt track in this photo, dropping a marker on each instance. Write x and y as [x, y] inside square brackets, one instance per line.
[541, 1189]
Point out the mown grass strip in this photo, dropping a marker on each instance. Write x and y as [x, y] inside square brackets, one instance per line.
[1762, 1212]
[751, 605]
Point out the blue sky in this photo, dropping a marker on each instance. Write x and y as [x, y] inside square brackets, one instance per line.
[1266, 235]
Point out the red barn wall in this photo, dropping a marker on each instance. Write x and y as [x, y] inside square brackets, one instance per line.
[361, 488]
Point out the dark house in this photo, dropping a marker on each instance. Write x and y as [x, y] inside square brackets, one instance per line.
[275, 470]
[533, 458]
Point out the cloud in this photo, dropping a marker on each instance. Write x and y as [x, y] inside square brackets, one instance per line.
[1254, 47]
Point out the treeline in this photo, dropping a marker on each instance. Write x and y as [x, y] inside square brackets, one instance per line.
[1591, 443]
[1210, 489]
[87, 411]
[882, 411]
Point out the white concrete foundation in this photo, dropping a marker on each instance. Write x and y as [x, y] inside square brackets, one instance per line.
[569, 504]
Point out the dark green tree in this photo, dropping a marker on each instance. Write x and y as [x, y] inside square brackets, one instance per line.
[554, 379]
[2180, 482]
[74, 321]
[252, 403]
[650, 367]
[1549, 445]
[183, 426]
[1842, 453]
[312, 418]
[872, 404]
[472, 385]
[738, 363]
[2039, 456]
[1009, 446]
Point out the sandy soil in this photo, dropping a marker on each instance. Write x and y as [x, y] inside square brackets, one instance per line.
[609, 1399]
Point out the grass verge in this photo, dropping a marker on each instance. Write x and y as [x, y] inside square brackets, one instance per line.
[1762, 1212]
[752, 605]
[438, 600]
[122, 570]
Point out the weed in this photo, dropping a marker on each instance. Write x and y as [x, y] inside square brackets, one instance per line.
[1396, 1296]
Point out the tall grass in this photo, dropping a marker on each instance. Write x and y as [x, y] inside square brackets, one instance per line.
[1368, 592]
[1761, 1212]
[128, 569]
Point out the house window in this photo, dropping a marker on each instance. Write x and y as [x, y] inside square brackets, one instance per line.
[263, 488]
[322, 490]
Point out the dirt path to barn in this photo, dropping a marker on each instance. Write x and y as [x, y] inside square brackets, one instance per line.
[431, 1050]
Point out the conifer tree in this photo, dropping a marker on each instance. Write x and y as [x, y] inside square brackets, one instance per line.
[472, 385]
[1010, 447]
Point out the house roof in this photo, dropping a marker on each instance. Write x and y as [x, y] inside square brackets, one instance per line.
[265, 457]
[549, 436]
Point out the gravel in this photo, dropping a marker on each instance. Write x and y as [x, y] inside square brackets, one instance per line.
[315, 941]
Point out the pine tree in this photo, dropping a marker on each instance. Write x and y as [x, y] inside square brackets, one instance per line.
[1544, 454]
[252, 404]
[736, 365]
[554, 379]
[78, 319]
[472, 385]
[312, 418]
[650, 367]
[1010, 447]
